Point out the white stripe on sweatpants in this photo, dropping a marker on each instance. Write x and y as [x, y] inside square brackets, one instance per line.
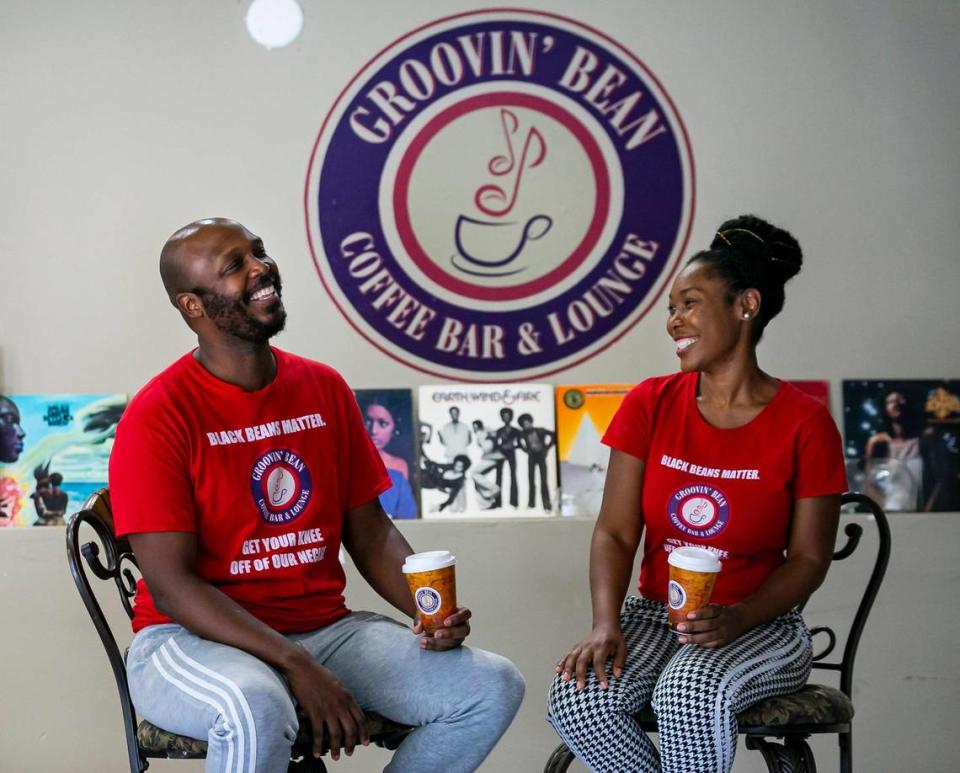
[768, 661]
[235, 689]
[194, 694]
[226, 706]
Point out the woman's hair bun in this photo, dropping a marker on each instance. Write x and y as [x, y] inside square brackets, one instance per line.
[757, 240]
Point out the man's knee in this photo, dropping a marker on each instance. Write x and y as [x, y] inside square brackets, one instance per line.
[263, 704]
[500, 684]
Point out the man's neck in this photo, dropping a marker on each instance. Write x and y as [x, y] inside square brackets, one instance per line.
[246, 365]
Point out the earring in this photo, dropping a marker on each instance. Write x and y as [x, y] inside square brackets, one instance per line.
[746, 316]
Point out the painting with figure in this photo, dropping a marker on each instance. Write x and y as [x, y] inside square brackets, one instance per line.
[388, 416]
[902, 442]
[583, 415]
[487, 450]
[54, 451]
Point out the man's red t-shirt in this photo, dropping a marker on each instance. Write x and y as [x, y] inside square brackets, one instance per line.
[730, 490]
[263, 478]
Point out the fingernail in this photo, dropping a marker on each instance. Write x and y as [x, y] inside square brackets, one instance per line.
[681, 627]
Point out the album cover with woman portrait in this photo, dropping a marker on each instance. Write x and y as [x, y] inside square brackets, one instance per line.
[54, 451]
[902, 442]
[388, 415]
[487, 450]
[583, 414]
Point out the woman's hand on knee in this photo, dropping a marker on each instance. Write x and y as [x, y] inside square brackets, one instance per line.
[603, 643]
[712, 626]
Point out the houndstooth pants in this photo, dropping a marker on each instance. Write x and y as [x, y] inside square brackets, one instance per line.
[695, 692]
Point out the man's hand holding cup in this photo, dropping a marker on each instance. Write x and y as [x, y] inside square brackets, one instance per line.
[431, 577]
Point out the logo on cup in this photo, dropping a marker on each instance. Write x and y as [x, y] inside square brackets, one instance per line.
[504, 192]
[281, 485]
[428, 600]
[699, 511]
[676, 594]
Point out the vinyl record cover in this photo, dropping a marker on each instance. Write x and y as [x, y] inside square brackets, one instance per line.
[487, 450]
[388, 414]
[583, 415]
[902, 444]
[54, 451]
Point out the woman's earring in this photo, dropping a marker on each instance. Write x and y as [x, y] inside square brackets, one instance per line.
[746, 316]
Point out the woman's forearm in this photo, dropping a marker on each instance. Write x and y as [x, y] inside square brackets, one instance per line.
[611, 566]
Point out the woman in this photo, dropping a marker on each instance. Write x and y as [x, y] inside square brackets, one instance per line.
[723, 456]
[383, 422]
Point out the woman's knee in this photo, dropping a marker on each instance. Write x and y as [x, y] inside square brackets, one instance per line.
[680, 691]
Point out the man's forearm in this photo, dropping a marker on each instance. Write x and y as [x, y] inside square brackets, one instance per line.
[209, 613]
[378, 549]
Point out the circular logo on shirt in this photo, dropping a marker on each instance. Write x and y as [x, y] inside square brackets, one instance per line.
[428, 600]
[699, 510]
[499, 192]
[676, 595]
[281, 485]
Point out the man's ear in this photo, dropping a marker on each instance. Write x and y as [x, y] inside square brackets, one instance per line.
[189, 305]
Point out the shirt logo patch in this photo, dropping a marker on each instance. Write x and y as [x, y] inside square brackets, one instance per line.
[281, 486]
[700, 511]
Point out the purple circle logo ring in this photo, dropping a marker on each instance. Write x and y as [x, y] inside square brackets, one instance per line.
[281, 486]
[699, 510]
[499, 192]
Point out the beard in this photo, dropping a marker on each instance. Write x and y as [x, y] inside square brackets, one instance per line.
[231, 316]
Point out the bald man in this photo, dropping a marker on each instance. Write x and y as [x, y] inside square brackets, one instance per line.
[236, 474]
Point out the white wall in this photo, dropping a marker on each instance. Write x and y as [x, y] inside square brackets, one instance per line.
[120, 121]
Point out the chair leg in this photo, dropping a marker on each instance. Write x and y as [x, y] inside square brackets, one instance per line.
[792, 756]
[846, 752]
[559, 761]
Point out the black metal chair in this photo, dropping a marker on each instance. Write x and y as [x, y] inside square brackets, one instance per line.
[814, 709]
[144, 740]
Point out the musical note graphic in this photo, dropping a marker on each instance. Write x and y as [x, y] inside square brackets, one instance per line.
[498, 243]
[493, 200]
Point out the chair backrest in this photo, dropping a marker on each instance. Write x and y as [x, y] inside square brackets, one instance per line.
[854, 532]
[106, 558]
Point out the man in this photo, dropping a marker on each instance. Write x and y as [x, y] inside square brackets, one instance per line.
[507, 439]
[455, 435]
[265, 467]
[536, 441]
[11, 433]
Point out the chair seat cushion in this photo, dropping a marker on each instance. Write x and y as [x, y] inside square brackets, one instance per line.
[156, 742]
[813, 704]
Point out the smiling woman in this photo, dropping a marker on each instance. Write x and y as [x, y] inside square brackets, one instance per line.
[720, 456]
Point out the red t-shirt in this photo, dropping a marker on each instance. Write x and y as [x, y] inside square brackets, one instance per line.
[263, 478]
[730, 490]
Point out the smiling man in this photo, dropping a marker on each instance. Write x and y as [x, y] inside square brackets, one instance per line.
[237, 473]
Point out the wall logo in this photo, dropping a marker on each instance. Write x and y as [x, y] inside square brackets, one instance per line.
[499, 192]
[281, 486]
[699, 511]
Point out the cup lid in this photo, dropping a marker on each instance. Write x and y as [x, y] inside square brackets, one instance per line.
[694, 559]
[431, 559]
